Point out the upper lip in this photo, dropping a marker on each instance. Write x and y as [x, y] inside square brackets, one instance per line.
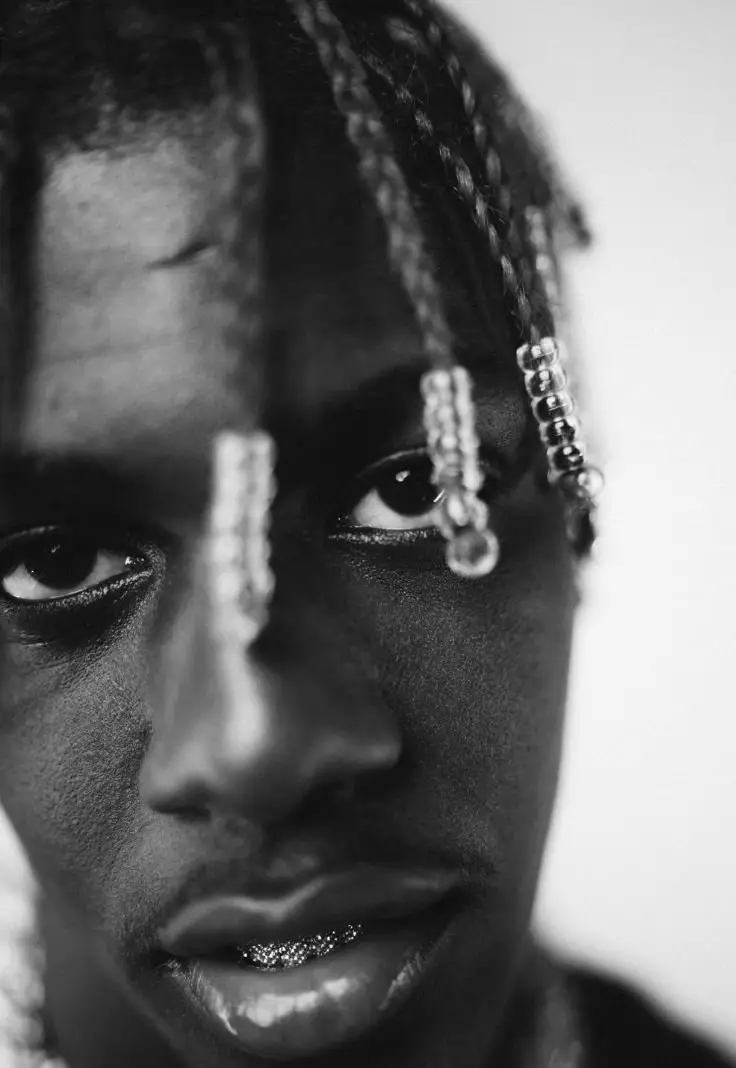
[363, 895]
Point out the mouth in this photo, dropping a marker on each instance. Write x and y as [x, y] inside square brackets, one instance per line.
[295, 953]
[294, 977]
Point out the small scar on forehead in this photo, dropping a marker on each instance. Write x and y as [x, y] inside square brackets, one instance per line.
[189, 252]
[150, 207]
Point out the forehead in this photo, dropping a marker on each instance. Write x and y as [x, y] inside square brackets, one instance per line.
[128, 340]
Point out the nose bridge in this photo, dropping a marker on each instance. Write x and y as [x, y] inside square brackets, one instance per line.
[256, 731]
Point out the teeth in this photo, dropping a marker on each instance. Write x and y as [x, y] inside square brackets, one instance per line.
[275, 956]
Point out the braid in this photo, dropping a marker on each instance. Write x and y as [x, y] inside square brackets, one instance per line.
[465, 185]
[6, 155]
[242, 159]
[521, 125]
[516, 266]
[9, 151]
[521, 137]
[527, 272]
[381, 173]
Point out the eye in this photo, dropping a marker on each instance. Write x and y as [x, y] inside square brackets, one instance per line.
[52, 566]
[396, 494]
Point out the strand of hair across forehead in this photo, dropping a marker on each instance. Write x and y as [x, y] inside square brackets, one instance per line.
[6, 331]
[449, 414]
[8, 149]
[242, 160]
[516, 267]
[381, 174]
[239, 554]
[515, 117]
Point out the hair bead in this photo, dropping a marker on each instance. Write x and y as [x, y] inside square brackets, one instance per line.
[582, 486]
[449, 416]
[540, 362]
[473, 553]
[449, 410]
[561, 432]
[541, 238]
[242, 582]
[533, 358]
[569, 457]
[548, 380]
[243, 485]
[554, 406]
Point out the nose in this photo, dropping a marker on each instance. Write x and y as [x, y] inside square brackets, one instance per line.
[259, 732]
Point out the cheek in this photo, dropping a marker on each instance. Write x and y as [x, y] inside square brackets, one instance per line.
[72, 733]
[477, 674]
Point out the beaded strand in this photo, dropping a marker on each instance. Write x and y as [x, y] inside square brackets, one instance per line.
[242, 581]
[554, 410]
[545, 262]
[452, 439]
[449, 414]
[548, 388]
[580, 483]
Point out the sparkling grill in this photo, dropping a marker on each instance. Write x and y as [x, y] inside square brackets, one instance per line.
[277, 956]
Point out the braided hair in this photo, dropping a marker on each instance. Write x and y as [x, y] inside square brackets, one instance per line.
[422, 125]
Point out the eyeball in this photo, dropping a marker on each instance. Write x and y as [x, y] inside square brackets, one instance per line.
[55, 567]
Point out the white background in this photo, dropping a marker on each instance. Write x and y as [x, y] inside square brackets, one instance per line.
[640, 97]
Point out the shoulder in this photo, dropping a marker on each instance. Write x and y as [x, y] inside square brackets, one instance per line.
[622, 1027]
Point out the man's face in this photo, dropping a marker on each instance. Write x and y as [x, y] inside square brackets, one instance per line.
[394, 719]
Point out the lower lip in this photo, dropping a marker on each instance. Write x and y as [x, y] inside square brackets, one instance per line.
[301, 1012]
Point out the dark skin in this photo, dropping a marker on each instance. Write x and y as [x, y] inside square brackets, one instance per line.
[391, 711]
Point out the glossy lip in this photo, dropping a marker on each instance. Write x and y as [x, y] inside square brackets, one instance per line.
[365, 894]
[325, 1004]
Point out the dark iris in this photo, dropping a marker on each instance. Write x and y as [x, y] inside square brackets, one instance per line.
[61, 564]
[407, 490]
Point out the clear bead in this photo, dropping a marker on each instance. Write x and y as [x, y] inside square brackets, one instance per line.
[450, 442]
[548, 380]
[567, 458]
[584, 485]
[460, 510]
[554, 406]
[561, 432]
[473, 553]
[436, 383]
[532, 358]
[550, 346]
[457, 512]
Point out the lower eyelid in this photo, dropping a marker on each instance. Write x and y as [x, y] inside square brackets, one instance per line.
[379, 537]
[147, 558]
[98, 589]
[70, 623]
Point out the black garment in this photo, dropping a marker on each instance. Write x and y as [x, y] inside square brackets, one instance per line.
[624, 1030]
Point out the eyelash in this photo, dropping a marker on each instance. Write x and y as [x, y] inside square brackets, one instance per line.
[499, 478]
[16, 546]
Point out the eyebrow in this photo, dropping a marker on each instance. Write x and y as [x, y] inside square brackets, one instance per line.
[154, 477]
[354, 428]
[40, 486]
[403, 384]
[63, 481]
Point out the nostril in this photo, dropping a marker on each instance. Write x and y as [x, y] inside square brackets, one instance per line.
[173, 787]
